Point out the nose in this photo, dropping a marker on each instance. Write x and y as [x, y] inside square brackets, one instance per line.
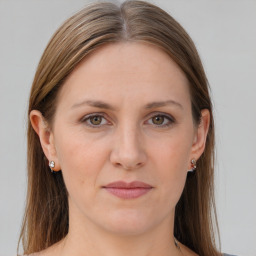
[127, 151]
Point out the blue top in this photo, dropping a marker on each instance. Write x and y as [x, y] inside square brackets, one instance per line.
[225, 254]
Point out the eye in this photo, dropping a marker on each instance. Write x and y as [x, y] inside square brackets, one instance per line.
[161, 120]
[158, 120]
[94, 120]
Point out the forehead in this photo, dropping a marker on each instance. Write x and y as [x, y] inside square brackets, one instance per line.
[125, 69]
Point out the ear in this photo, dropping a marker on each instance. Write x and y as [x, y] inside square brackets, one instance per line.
[46, 137]
[200, 136]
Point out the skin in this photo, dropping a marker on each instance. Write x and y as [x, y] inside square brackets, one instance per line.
[131, 143]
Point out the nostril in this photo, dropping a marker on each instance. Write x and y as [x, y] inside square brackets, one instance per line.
[132, 166]
[128, 159]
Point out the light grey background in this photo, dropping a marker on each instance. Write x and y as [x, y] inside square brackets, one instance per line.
[225, 35]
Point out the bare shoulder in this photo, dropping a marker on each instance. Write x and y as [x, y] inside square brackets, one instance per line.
[50, 251]
[41, 253]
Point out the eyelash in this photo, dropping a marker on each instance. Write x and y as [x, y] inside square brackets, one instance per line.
[170, 119]
[87, 117]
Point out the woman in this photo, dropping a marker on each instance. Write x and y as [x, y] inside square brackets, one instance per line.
[120, 139]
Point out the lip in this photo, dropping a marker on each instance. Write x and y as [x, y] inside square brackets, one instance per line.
[123, 184]
[126, 190]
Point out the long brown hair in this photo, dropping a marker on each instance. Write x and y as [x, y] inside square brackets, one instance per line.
[46, 215]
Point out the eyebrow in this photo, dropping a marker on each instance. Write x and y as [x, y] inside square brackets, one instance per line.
[162, 104]
[94, 103]
[104, 105]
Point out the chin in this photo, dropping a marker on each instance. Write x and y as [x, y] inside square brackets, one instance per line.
[128, 223]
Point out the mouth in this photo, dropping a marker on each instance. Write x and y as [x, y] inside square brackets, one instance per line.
[126, 190]
[128, 193]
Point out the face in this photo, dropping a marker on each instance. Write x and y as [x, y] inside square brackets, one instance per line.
[124, 114]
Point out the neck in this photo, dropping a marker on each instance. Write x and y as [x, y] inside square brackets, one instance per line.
[89, 240]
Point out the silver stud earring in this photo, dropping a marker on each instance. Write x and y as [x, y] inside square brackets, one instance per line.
[52, 165]
[193, 165]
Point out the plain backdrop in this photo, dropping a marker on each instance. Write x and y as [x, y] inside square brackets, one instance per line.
[225, 34]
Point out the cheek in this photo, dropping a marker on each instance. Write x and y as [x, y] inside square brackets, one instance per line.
[171, 160]
[172, 152]
[81, 160]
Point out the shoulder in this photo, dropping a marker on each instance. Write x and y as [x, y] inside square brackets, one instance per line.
[34, 254]
[225, 254]
[49, 251]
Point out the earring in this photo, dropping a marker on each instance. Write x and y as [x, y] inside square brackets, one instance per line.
[193, 165]
[52, 165]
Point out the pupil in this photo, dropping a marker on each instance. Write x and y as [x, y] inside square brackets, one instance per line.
[158, 120]
[96, 120]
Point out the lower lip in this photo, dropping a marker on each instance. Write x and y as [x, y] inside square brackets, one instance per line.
[128, 193]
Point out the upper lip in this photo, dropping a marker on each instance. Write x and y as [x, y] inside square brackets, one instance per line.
[123, 184]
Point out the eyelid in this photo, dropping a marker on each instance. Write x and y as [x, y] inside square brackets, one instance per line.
[103, 115]
[87, 117]
[165, 115]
